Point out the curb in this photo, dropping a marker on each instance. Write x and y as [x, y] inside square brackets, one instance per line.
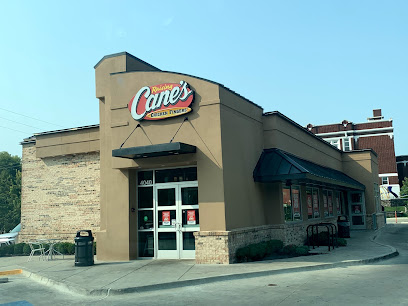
[68, 288]
[11, 272]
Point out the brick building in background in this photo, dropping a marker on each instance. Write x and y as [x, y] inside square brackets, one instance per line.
[402, 167]
[376, 134]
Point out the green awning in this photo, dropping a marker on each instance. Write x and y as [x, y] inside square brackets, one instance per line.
[276, 165]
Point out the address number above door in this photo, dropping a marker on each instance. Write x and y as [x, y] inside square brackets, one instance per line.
[161, 101]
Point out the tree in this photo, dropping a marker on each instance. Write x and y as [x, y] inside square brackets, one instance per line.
[404, 191]
[10, 191]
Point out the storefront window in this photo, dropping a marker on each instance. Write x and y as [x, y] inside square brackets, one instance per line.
[309, 201]
[145, 178]
[145, 197]
[287, 204]
[337, 202]
[146, 244]
[291, 203]
[330, 202]
[312, 198]
[325, 205]
[176, 175]
[316, 206]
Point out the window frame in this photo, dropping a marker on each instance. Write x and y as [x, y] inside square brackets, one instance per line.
[291, 199]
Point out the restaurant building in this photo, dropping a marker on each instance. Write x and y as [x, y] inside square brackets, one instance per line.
[183, 167]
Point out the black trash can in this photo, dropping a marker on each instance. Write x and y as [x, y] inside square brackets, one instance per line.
[343, 226]
[84, 252]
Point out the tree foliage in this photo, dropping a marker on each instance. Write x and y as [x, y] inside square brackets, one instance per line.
[10, 191]
[404, 188]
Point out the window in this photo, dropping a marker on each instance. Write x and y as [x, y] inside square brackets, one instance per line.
[337, 201]
[385, 180]
[312, 198]
[334, 142]
[346, 144]
[325, 204]
[291, 203]
[330, 202]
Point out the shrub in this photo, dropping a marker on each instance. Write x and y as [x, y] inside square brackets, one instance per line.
[302, 250]
[258, 251]
[60, 247]
[289, 249]
[18, 248]
[70, 248]
[94, 248]
[341, 241]
[26, 249]
[274, 246]
[242, 254]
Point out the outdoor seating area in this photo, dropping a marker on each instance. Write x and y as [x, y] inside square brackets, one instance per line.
[45, 248]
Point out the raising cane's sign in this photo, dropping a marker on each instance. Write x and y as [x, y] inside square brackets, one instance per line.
[161, 101]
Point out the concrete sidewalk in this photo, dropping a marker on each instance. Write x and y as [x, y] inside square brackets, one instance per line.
[146, 275]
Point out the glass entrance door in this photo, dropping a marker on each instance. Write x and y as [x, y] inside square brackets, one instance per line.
[177, 218]
[357, 210]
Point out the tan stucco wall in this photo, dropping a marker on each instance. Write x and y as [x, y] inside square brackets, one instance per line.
[68, 142]
[280, 133]
[363, 167]
[202, 130]
[242, 144]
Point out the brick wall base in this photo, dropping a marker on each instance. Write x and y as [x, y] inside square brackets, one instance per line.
[380, 221]
[219, 247]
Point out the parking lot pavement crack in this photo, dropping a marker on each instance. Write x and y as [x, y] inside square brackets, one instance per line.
[186, 272]
[134, 270]
[82, 270]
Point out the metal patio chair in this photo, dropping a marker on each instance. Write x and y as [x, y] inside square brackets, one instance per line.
[36, 246]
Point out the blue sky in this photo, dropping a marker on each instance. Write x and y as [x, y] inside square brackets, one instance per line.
[314, 61]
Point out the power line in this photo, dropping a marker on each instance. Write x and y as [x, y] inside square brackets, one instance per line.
[31, 117]
[21, 123]
[14, 130]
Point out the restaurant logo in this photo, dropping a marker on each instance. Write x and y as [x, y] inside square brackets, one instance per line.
[161, 101]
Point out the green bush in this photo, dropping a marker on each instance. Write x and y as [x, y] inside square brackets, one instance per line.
[94, 248]
[341, 242]
[70, 248]
[396, 208]
[26, 249]
[60, 247]
[301, 250]
[18, 248]
[258, 251]
[289, 249]
[242, 254]
[274, 246]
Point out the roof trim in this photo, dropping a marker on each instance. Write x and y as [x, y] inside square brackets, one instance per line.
[279, 114]
[120, 54]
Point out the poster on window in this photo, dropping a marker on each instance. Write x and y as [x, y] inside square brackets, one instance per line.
[166, 217]
[338, 205]
[356, 209]
[316, 205]
[191, 217]
[330, 202]
[309, 205]
[326, 212]
[296, 207]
